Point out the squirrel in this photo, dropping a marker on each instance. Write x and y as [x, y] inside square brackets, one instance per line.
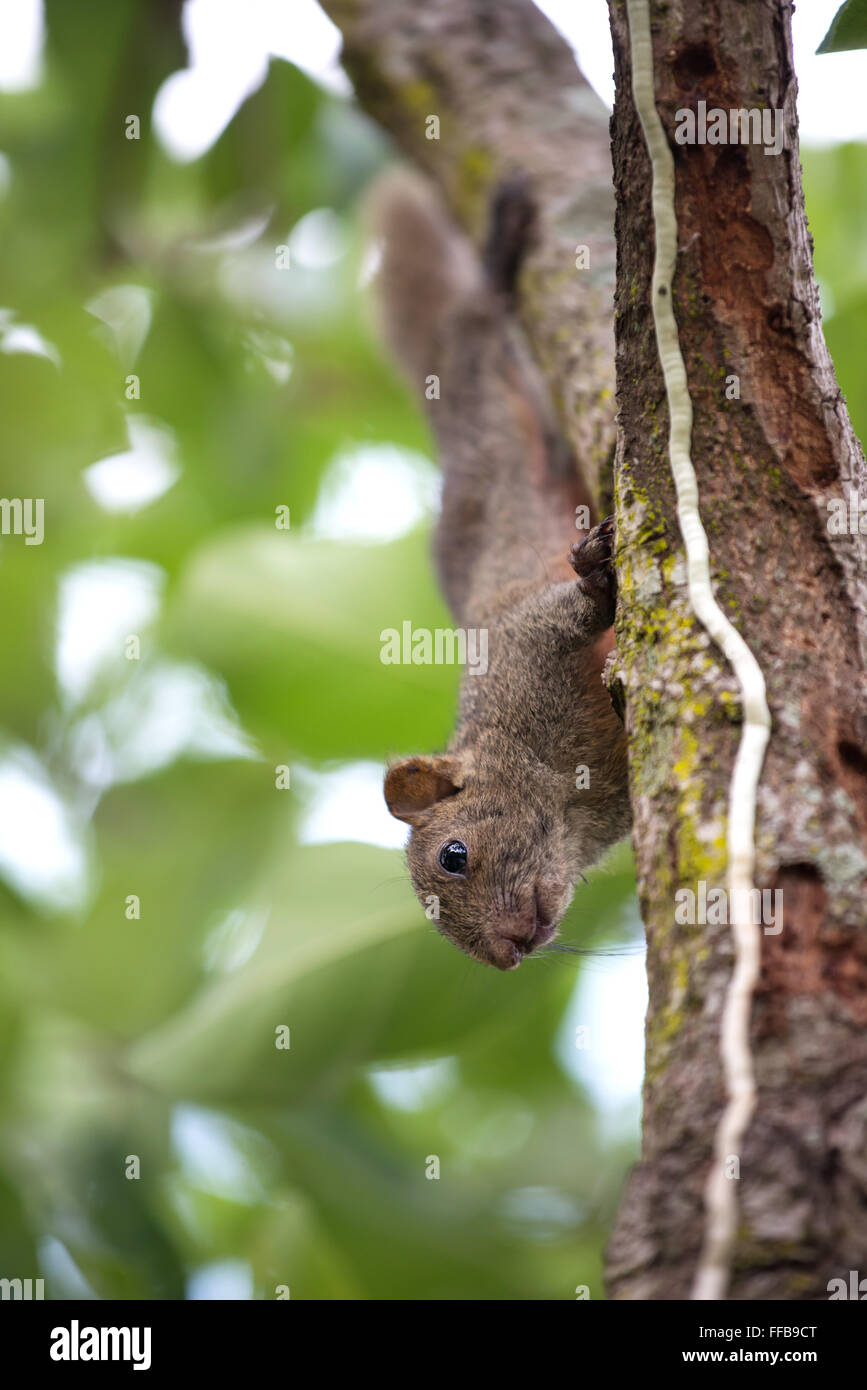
[533, 786]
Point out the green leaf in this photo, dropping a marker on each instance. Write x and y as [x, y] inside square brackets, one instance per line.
[848, 28]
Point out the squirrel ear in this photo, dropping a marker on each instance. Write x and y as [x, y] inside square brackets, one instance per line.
[416, 784]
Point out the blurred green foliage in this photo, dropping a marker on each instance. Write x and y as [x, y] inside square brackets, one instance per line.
[835, 186]
[154, 1036]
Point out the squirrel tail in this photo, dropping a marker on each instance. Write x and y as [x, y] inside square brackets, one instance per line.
[427, 267]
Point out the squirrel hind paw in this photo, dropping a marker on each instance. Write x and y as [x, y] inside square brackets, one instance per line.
[596, 549]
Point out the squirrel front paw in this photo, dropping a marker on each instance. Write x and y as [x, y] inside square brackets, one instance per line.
[593, 561]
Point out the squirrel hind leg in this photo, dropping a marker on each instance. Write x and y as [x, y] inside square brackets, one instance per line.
[427, 268]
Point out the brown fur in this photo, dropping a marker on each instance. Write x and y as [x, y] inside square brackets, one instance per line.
[506, 786]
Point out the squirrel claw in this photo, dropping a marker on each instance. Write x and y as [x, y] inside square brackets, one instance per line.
[592, 561]
[595, 550]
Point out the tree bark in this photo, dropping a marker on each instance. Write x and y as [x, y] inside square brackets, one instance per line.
[509, 97]
[768, 463]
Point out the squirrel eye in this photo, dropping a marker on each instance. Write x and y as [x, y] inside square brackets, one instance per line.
[453, 857]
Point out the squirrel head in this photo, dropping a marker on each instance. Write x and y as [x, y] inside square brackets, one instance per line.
[497, 876]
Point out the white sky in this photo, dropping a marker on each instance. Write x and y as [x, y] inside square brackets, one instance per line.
[229, 46]
[230, 41]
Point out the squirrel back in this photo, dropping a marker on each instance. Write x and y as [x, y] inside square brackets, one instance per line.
[501, 826]
[511, 485]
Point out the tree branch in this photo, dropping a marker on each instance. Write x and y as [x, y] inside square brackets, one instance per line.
[509, 97]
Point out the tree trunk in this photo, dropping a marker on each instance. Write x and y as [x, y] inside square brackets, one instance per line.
[767, 463]
[508, 95]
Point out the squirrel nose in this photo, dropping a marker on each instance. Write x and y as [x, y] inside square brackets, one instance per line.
[504, 953]
[511, 942]
[520, 933]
